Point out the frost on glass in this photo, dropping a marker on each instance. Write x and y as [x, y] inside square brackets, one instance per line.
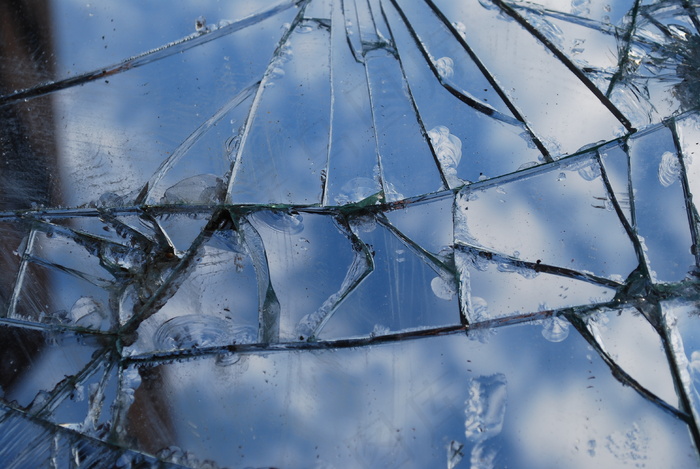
[350, 233]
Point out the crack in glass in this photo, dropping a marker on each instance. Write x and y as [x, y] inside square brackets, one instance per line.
[350, 232]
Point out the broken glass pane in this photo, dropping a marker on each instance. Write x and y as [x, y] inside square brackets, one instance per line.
[362, 233]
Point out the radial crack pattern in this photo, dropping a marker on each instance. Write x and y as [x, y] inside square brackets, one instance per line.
[455, 230]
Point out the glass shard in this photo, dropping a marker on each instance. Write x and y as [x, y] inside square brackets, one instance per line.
[493, 286]
[592, 418]
[632, 343]
[463, 233]
[399, 294]
[656, 182]
[398, 132]
[352, 157]
[564, 113]
[562, 218]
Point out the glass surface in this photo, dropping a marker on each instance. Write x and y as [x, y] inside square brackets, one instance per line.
[350, 233]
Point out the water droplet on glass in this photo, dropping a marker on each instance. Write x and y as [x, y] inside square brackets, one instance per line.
[448, 149]
[191, 330]
[443, 289]
[669, 169]
[590, 172]
[304, 29]
[488, 4]
[591, 447]
[445, 67]
[461, 29]
[523, 271]
[630, 445]
[529, 164]
[580, 7]
[555, 329]
[379, 330]
[578, 46]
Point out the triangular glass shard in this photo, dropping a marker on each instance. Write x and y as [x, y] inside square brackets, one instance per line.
[182, 229]
[52, 295]
[60, 247]
[111, 33]
[427, 223]
[592, 46]
[194, 174]
[96, 227]
[136, 228]
[30, 441]
[494, 287]
[80, 271]
[688, 134]
[584, 10]
[682, 329]
[688, 130]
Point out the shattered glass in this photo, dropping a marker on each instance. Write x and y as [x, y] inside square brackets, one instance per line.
[350, 233]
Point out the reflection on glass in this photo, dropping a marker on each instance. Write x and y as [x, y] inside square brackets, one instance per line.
[349, 233]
